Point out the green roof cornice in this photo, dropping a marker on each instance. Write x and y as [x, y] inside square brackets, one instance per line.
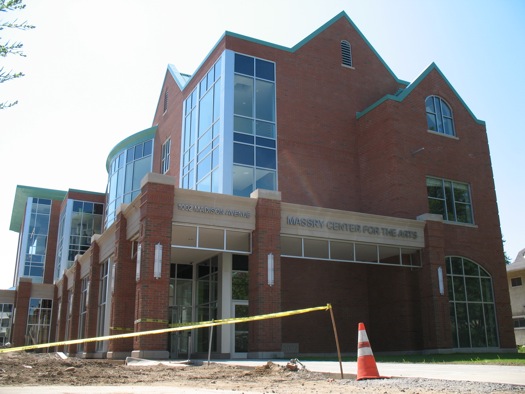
[21, 196]
[132, 140]
[314, 34]
[404, 93]
[299, 45]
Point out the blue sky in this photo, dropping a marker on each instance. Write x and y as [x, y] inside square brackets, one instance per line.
[94, 71]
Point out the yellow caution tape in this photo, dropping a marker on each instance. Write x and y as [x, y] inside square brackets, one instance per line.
[121, 328]
[189, 326]
[151, 321]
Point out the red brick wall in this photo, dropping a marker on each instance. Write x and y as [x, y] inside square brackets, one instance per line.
[317, 101]
[311, 283]
[393, 183]
[395, 321]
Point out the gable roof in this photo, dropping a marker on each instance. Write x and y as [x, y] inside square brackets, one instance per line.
[403, 93]
[182, 79]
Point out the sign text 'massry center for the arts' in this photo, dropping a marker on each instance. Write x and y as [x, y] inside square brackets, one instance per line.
[213, 210]
[351, 227]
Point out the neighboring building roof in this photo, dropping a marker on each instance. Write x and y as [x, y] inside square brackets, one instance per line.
[24, 192]
[183, 79]
[130, 141]
[403, 93]
[519, 262]
[21, 196]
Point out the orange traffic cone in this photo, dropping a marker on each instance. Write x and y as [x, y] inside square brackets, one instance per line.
[366, 363]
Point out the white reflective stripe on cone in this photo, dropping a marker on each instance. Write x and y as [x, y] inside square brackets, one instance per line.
[362, 337]
[364, 351]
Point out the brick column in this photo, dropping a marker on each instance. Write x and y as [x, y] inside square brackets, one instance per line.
[90, 327]
[265, 338]
[23, 294]
[435, 312]
[151, 300]
[123, 299]
[62, 316]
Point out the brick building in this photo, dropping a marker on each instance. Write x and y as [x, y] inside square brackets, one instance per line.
[275, 179]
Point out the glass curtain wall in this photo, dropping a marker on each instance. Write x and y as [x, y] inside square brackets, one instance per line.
[126, 170]
[254, 126]
[36, 229]
[38, 321]
[78, 222]
[202, 129]
[6, 322]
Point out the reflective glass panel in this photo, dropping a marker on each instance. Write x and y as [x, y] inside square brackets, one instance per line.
[243, 96]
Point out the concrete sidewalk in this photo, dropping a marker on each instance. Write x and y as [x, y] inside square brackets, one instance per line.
[458, 372]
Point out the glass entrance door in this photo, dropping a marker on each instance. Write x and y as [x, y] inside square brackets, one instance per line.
[240, 330]
[180, 309]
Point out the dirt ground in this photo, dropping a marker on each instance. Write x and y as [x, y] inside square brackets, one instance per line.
[48, 369]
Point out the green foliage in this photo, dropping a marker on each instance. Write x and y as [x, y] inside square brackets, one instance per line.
[11, 48]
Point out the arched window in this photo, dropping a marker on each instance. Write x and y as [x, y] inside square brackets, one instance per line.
[439, 116]
[346, 53]
[472, 309]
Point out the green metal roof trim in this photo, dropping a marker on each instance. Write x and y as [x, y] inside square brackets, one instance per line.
[21, 196]
[297, 46]
[400, 96]
[128, 142]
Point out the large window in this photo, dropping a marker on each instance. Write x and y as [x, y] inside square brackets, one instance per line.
[333, 250]
[103, 303]
[38, 321]
[165, 156]
[254, 150]
[439, 116]
[78, 223]
[472, 309]
[450, 199]
[126, 170]
[6, 322]
[200, 150]
[207, 296]
[180, 307]
[84, 292]
[36, 229]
